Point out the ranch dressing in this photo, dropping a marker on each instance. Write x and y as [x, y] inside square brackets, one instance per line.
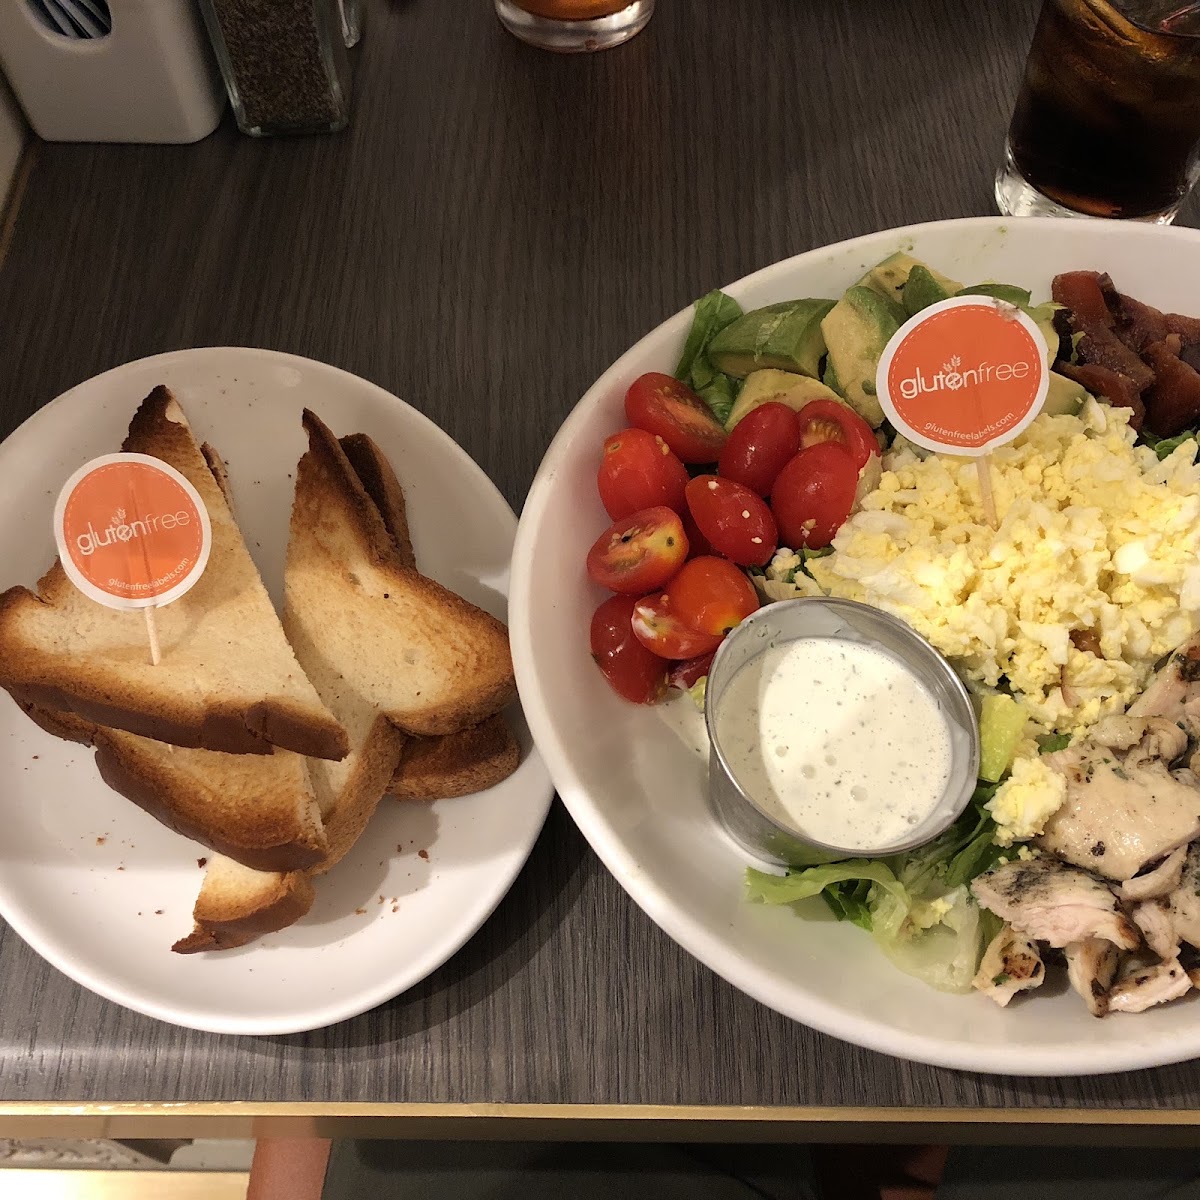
[836, 739]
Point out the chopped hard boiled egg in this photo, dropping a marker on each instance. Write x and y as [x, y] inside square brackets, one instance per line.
[1027, 799]
[1098, 547]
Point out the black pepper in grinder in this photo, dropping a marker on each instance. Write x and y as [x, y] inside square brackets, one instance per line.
[284, 63]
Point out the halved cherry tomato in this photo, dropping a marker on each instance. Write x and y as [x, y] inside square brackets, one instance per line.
[828, 421]
[687, 674]
[759, 445]
[632, 671]
[639, 471]
[657, 627]
[640, 553]
[712, 595]
[736, 522]
[813, 495]
[670, 409]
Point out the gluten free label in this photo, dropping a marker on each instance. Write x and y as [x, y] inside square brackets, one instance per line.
[132, 532]
[964, 376]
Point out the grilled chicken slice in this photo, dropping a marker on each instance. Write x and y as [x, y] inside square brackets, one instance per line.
[1091, 969]
[1052, 902]
[1124, 809]
[1141, 987]
[1147, 737]
[1010, 964]
[1155, 919]
[1174, 693]
[1159, 881]
[1182, 904]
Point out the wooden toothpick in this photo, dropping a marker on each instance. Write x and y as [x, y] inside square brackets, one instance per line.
[983, 468]
[152, 634]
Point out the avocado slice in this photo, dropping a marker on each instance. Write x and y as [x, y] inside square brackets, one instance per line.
[1043, 318]
[889, 277]
[784, 336]
[857, 329]
[1008, 292]
[1064, 397]
[1001, 725]
[921, 290]
[784, 387]
[829, 377]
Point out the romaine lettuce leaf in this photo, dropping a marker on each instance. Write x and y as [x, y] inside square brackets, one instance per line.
[1165, 446]
[916, 905]
[712, 313]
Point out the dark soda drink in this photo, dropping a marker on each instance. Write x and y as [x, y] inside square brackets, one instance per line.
[1108, 117]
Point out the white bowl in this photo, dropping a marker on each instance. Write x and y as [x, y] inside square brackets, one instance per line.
[637, 792]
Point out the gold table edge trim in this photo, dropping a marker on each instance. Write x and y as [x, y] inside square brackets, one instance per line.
[492, 1120]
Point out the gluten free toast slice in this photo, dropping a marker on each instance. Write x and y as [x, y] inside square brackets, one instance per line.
[237, 904]
[424, 657]
[256, 808]
[228, 679]
[457, 764]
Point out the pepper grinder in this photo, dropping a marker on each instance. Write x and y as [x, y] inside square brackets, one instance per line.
[284, 61]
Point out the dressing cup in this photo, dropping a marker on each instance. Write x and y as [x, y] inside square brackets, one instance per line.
[764, 835]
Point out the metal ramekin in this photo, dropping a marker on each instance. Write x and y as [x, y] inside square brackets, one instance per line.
[761, 834]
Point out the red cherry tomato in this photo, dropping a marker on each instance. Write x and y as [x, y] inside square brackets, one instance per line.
[687, 674]
[712, 595]
[828, 421]
[640, 553]
[758, 446]
[639, 471]
[670, 409]
[697, 542]
[736, 522]
[658, 629]
[813, 495]
[631, 670]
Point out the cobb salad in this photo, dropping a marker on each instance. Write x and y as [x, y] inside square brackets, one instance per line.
[764, 469]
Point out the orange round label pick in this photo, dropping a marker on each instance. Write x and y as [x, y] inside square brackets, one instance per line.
[964, 376]
[132, 532]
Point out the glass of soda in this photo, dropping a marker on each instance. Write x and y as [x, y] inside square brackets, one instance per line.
[1107, 122]
[573, 26]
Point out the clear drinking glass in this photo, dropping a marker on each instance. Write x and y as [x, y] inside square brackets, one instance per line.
[571, 26]
[1108, 117]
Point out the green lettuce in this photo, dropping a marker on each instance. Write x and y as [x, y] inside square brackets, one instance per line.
[1165, 446]
[712, 313]
[917, 905]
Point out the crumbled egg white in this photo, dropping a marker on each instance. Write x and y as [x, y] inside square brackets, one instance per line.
[925, 914]
[784, 579]
[1095, 534]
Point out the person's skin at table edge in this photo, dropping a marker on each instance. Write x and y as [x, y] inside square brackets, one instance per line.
[288, 1169]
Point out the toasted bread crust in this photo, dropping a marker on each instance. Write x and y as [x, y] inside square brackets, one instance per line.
[457, 764]
[381, 485]
[254, 729]
[45, 676]
[221, 925]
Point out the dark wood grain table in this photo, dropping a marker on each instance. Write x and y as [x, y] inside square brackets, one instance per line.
[495, 226]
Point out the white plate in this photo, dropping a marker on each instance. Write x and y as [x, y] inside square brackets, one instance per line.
[638, 794]
[99, 888]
